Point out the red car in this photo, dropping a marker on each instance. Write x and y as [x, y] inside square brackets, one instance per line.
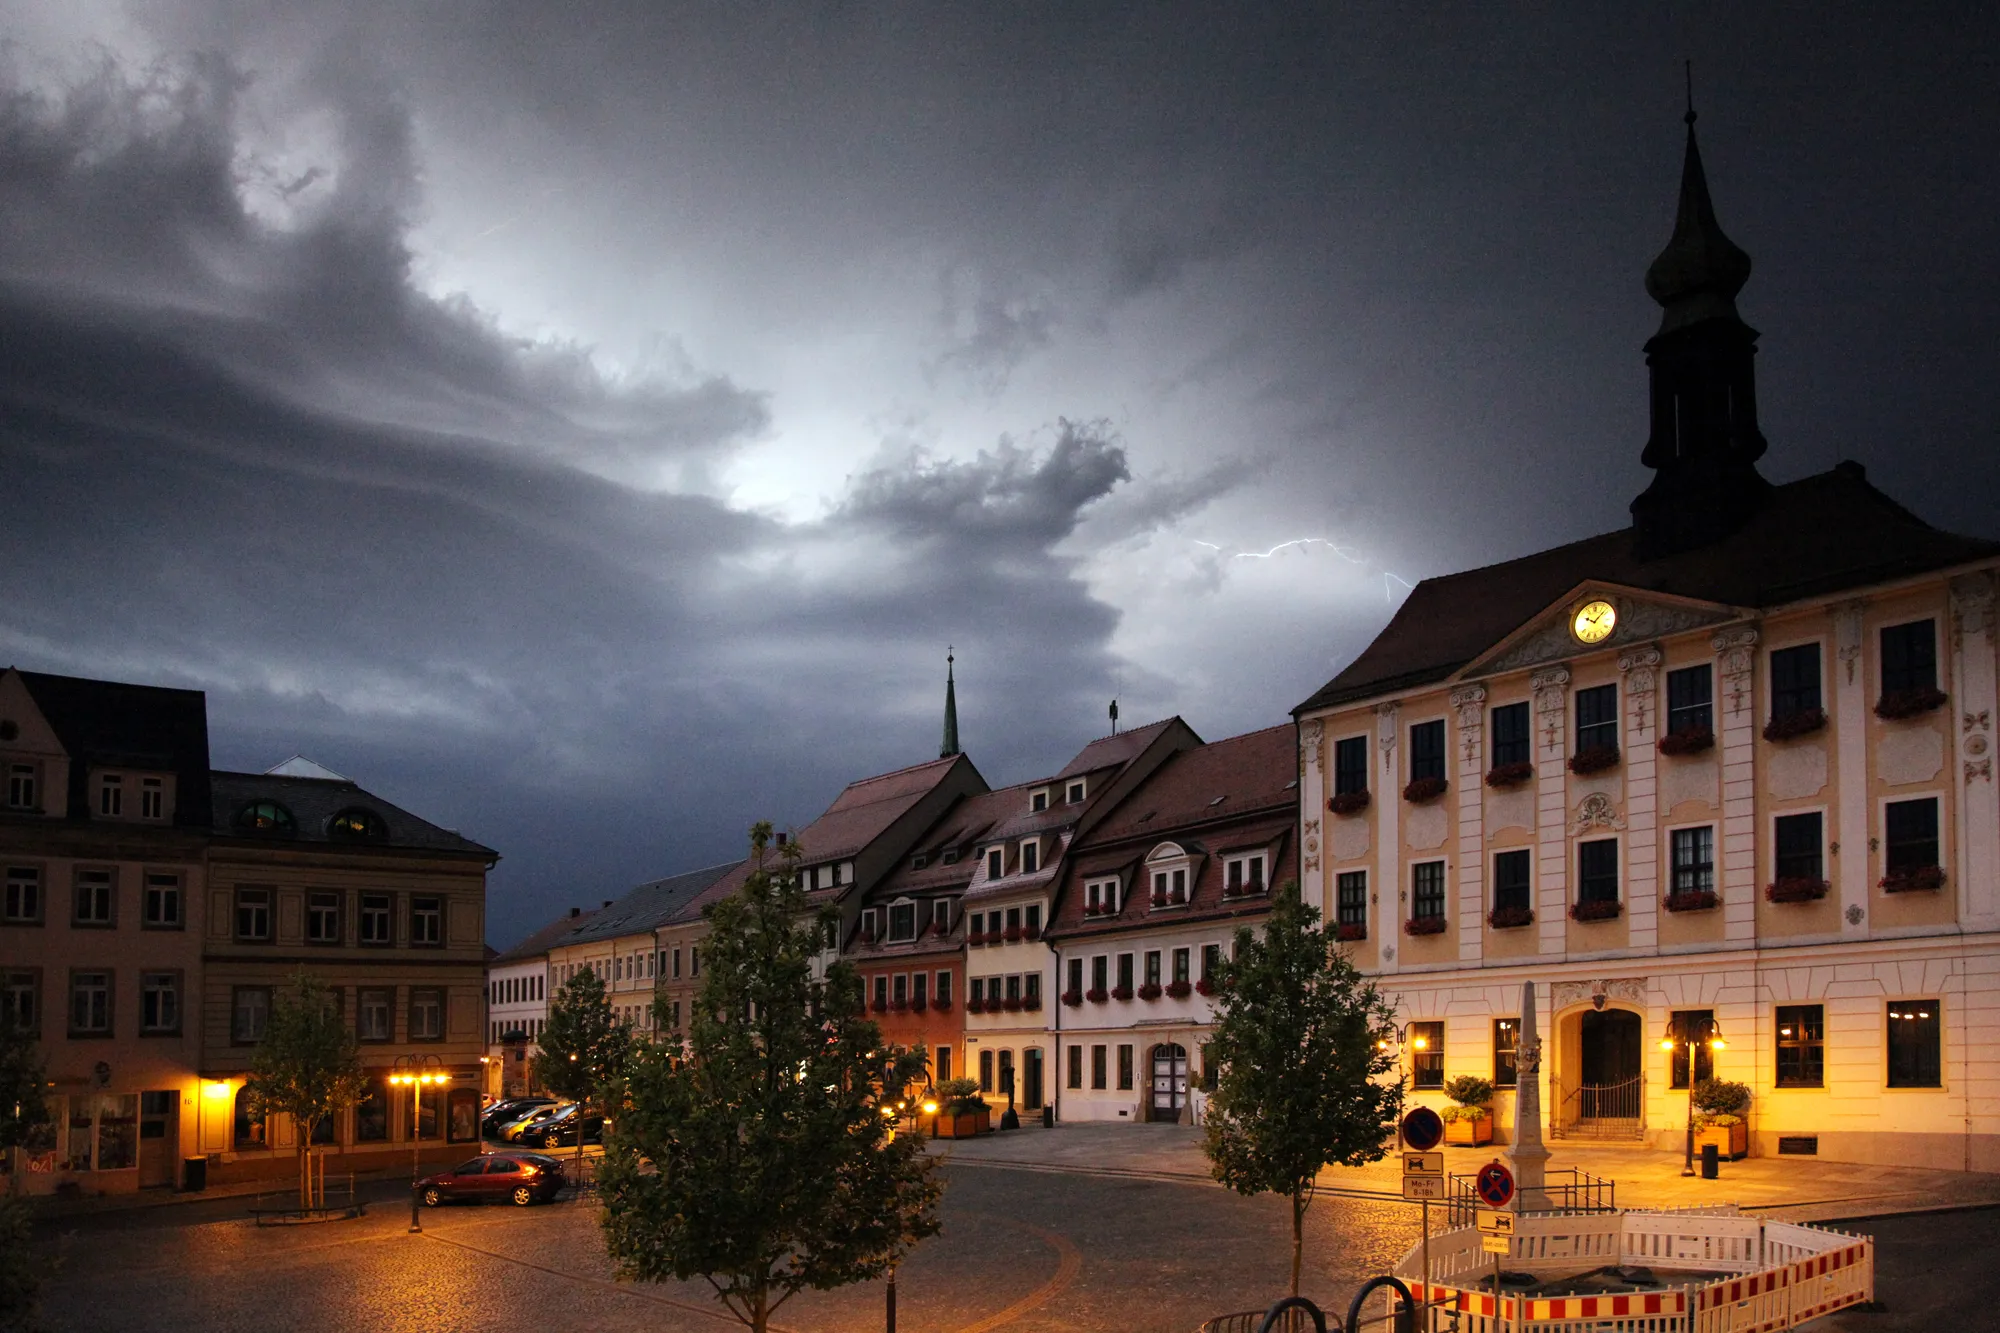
[503, 1177]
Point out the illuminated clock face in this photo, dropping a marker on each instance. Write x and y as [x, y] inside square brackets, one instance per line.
[1594, 621]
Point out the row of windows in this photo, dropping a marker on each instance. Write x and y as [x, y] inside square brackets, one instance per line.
[1162, 968]
[94, 898]
[1013, 924]
[525, 989]
[1908, 664]
[1014, 990]
[374, 1013]
[663, 964]
[530, 1028]
[149, 794]
[1913, 1054]
[325, 917]
[1126, 1057]
[1910, 844]
[92, 1008]
[902, 920]
[911, 990]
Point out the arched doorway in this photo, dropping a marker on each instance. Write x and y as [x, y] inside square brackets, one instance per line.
[1170, 1082]
[1608, 1098]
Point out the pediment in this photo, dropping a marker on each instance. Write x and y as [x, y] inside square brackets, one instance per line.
[1643, 617]
[26, 730]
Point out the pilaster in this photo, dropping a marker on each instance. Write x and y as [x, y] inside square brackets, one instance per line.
[1551, 690]
[1313, 888]
[1737, 731]
[1973, 672]
[1469, 703]
[1850, 719]
[1640, 695]
[1388, 803]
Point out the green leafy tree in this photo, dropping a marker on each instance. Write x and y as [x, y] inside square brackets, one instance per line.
[1299, 1036]
[307, 1067]
[22, 1110]
[760, 1158]
[583, 1045]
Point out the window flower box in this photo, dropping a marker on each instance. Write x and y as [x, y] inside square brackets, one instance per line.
[1015, 934]
[867, 934]
[1096, 995]
[1243, 890]
[1351, 932]
[1204, 987]
[1899, 704]
[1912, 881]
[1692, 741]
[1012, 1004]
[1179, 990]
[1150, 991]
[1595, 759]
[941, 928]
[899, 1006]
[1597, 909]
[1032, 1003]
[1802, 723]
[1424, 925]
[941, 1004]
[919, 1004]
[1425, 789]
[1510, 918]
[1121, 992]
[1693, 900]
[974, 1005]
[1349, 803]
[975, 937]
[880, 1006]
[1072, 998]
[1795, 889]
[1101, 909]
[1503, 776]
[1161, 900]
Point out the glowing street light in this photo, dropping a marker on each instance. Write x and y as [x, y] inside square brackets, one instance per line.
[420, 1073]
[1676, 1040]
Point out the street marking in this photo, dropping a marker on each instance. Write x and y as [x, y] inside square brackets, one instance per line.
[1069, 1265]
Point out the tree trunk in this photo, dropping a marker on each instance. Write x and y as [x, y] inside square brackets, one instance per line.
[1298, 1235]
[760, 1314]
[305, 1166]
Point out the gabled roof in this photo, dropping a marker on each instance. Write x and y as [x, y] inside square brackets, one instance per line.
[1242, 775]
[1820, 535]
[540, 942]
[313, 802]
[864, 810]
[1114, 751]
[112, 724]
[648, 906]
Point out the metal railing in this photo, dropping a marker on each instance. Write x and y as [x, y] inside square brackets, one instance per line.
[1567, 1190]
[1603, 1111]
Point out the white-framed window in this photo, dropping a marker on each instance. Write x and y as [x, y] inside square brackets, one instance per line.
[941, 914]
[152, 798]
[1031, 855]
[1244, 875]
[23, 786]
[159, 1003]
[427, 921]
[1074, 793]
[1100, 896]
[162, 907]
[89, 1004]
[1038, 800]
[96, 897]
[1170, 870]
[23, 904]
[903, 920]
[996, 862]
[375, 923]
[111, 795]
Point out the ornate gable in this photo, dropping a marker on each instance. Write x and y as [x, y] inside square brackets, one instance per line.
[1642, 616]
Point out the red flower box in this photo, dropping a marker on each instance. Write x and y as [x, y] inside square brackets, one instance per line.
[1795, 889]
[1912, 881]
[1072, 998]
[974, 1005]
[1694, 900]
[1101, 909]
[1032, 1003]
[1179, 990]
[1095, 995]
[899, 1006]
[941, 1004]
[1015, 933]
[1909, 703]
[919, 1004]
[1349, 803]
[1593, 760]
[941, 928]
[1425, 789]
[1243, 890]
[1424, 925]
[1150, 991]
[1204, 987]
[1596, 910]
[1802, 723]
[1012, 1004]
[1121, 992]
[1692, 741]
[1350, 933]
[881, 1006]
[975, 937]
[1509, 918]
[1510, 775]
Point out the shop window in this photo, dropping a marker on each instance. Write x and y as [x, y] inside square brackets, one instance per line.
[1914, 1045]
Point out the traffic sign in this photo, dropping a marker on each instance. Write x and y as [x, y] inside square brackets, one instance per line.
[1494, 1185]
[1422, 1129]
[1423, 1189]
[1423, 1163]
[1494, 1222]
[1491, 1243]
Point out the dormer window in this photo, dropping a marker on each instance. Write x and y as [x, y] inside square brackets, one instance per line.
[152, 798]
[941, 915]
[23, 787]
[1243, 876]
[1038, 801]
[110, 795]
[902, 921]
[1170, 887]
[358, 825]
[837, 866]
[950, 857]
[265, 817]
[1074, 796]
[868, 925]
[1100, 897]
[996, 863]
[919, 861]
[1031, 855]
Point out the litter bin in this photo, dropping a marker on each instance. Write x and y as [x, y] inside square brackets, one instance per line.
[1711, 1158]
[194, 1174]
[1048, 1117]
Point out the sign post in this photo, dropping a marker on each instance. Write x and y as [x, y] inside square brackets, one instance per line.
[1495, 1187]
[1423, 1180]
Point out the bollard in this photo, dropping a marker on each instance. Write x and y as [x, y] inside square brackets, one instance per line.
[1710, 1161]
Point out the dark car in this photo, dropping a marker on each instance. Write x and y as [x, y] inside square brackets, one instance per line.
[508, 1109]
[519, 1121]
[561, 1131]
[519, 1178]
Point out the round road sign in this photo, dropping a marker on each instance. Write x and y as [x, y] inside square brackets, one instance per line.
[1494, 1185]
[1422, 1129]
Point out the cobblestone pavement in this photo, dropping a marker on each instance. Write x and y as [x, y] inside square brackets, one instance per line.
[1030, 1251]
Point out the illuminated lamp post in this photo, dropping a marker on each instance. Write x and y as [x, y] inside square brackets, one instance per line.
[1675, 1041]
[419, 1072]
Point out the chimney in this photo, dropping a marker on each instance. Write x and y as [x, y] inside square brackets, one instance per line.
[607, 902]
[575, 912]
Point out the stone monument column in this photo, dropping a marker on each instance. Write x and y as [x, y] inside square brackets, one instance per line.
[1526, 1155]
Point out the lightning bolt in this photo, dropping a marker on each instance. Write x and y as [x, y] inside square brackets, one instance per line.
[1303, 543]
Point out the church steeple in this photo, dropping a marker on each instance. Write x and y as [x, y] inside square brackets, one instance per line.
[1705, 442]
[950, 746]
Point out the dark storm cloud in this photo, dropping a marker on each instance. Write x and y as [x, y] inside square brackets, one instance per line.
[255, 458]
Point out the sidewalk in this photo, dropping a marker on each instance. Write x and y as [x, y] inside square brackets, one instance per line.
[1793, 1189]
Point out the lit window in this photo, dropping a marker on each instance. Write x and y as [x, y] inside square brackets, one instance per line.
[1506, 1045]
[1801, 1045]
[265, 817]
[359, 825]
[1427, 1055]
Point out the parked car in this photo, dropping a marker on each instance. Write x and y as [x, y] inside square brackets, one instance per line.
[509, 1109]
[561, 1131]
[512, 1129]
[519, 1178]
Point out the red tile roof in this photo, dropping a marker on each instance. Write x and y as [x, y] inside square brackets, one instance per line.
[865, 809]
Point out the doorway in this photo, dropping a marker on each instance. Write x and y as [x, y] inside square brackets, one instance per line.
[1031, 1078]
[1170, 1082]
[159, 1143]
[1608, 1099]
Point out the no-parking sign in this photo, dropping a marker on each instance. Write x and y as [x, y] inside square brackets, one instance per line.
[1494, 1185]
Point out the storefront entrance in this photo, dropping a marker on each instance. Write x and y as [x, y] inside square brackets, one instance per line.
[159, 1138]
[1170, 1082]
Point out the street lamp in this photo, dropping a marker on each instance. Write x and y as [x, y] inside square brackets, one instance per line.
[1676, 1040]
[419, 1072]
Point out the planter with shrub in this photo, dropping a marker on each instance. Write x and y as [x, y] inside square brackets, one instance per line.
[962, 1112]
[1468, 1123]
[1720, 1108]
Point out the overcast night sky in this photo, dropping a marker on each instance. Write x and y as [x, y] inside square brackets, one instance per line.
[587, 424]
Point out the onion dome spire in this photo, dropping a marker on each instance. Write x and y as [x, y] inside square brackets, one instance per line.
[1699, 273]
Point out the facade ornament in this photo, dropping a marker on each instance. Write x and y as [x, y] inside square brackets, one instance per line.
[1975, 742]
[1551, 702]
[1596, 811]
[1569, 994]
[1470, 703]
[1736, 651]
[1978, 768]
[1971, 606]
[1311, 845]
[1309, 737]
[1641, 668]
[1855, 914]
[1847, 619]
[1385, 732]
[1528, 1059]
